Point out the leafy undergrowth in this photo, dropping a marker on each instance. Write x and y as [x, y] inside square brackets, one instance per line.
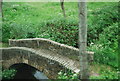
[8, 74]
[97, 71]
[45, 20]
[102, 71]
[106, 74]
[67, 75]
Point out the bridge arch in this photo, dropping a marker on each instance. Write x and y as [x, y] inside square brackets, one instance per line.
[44, 54]
[14, 55]
[25, 71]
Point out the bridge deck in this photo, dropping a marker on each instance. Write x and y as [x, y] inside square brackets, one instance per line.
[68, 63]
[65, 61]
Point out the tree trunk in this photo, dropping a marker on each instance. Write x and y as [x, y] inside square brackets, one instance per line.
[62, 7]
[84, 73]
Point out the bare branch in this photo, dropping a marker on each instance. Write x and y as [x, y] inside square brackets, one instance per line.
[62, 7]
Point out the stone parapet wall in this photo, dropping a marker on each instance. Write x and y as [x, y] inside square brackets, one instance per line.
[50, 45]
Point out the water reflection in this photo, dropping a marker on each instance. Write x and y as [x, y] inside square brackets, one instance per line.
[25, 71]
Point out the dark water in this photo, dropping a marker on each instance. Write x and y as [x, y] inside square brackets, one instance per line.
[25, 71]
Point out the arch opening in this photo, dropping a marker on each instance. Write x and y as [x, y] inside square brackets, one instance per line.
[25, 71]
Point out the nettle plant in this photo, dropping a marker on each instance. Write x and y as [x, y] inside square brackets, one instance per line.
[67, 75]
[8, 74]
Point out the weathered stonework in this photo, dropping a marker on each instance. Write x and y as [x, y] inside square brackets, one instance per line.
[44, 54]
[15, 55]
[41, 43]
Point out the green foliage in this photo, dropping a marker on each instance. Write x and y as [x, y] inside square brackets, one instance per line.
[103, 74]
[61, 30]
[105, 55]
[8, 74]
[106, 48]
[106, 74]
[45, 20]
[109, 36]
[67, 75]
[103, 34]
[101, 19]
[13, 27]
[5, 32]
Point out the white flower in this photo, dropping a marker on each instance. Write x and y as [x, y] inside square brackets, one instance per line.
[92, 43]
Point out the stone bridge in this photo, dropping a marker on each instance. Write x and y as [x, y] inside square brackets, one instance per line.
[46, 55]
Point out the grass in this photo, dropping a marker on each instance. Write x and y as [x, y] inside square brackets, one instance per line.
[43, 11]
[97, 71]
[96, 68]
[33, 17]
